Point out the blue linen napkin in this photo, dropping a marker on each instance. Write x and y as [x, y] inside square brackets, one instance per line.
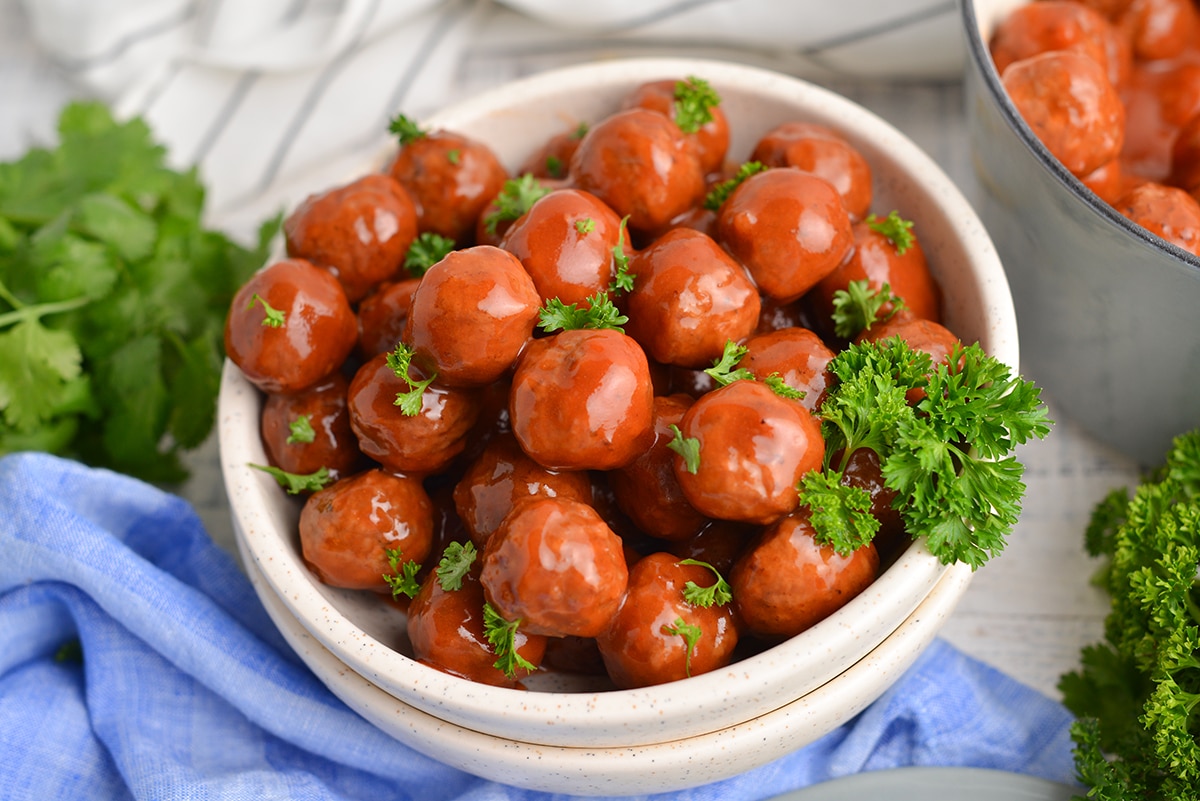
[136, 662]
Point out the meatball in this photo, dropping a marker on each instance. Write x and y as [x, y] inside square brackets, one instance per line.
[785, 582]
[289, 326]
[709, 140]
[689, 298]
[360, 232]
[1165, 211]
[1041, 27]
[582, 400]
[1068, 101]
[382, 316]
[557, 567]
[640, 164]
[310, 429]
[471, 315]
[796, 355]
[347, 528]
[788, 227]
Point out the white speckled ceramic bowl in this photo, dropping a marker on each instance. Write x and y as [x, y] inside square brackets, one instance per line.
[1107, 310]
[368, 636]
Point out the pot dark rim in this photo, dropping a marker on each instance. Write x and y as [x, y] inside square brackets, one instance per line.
[981, 59]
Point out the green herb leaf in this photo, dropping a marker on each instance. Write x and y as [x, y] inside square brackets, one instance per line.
[895, 228]
[516, 197]
[502, 635]
[841, 514]
[600, 313]
[301, 430]
[400, 362]
[690, 634]
[719, 193]
[274, 317]
[856, 308]
[453, 156]
[688, 448]
[622, 279]
[555, 167]
[403, 578]
[455, 564]
[725, 370]
[718, 593]
[425, 251]
[296, 483]
[694, 101]
[405, 129]
[585, 226]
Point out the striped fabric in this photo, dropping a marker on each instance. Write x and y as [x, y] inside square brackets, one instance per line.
[276, 98]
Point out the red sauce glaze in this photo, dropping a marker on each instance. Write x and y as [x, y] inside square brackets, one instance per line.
[317, 334]
[382, 316]
[557, 567]
[360, 232]
[647, 490]
[824, 152]
[565, 242]
[451, 178]
[333, 445]
[346, 528]
[1165, 211]
[645, 641]
[1041, 27]
[788, 227]
[553, 158]
[446, 628]
[504, 476]
[754, 448]
[689, 298]
[786, 582]
[640, 164]
[426, 442]
[582, 400]
[483, 290]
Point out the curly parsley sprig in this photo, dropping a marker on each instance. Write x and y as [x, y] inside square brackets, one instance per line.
[949, 458]
[600, 312]
[516, 197]
[402, 580]
[296, 483]
[400, 362]
[725, 371]
[502, 634]
[691, 635]
[858, 307]
[897, 229]
[622, 278]
[694, 102]
[425, 251]
[719, 193]
[718, 593]
[455, 563]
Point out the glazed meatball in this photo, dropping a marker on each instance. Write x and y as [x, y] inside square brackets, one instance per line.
[553, 158]
[689, 298]
[347, 528]
[557, 567]
[310, 429]
[824, 152]
[796, 355]
[421, 443]
[451, 178]
[753, 448]
[289, 326]
[640, 164]
[382, 316]
[1068, 101]
[360, 232]
[1158, 29]
[709, 139]
[582, 400]
[788, 227]
[786, 582]
[1165, 211]
[657, 635]
[1041, 27]
[471, 315]
[565, 242]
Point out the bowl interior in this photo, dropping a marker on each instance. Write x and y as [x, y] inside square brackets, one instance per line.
[368, 636]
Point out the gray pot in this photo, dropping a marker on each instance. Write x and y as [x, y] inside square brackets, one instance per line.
[1107, 311]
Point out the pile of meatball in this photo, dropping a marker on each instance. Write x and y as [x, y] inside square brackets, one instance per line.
[445, 417]
[1112, 89]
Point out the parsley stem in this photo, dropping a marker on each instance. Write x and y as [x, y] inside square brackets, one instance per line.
[39, 310]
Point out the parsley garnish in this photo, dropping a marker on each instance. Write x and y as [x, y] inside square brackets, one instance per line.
[694, 100]
[622, 280]
[856, 308]
[690, 634]
[687, 447]
[720, 192]
[725, 370]
[895, 228]
[301, 430]
[403, 578]
[453, 156]
[400, 362]
[840, 514]
[555, 167]
[425, 251]
[502, 634]
[580, 131]
[516, 197]
[585, 226]
[273, 318]
[406, 130]
[600, 313]
[296, 483]
[456, 562]
[718, 594]
[949, 459]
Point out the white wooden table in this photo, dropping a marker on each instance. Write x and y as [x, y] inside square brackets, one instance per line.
[1028, 612]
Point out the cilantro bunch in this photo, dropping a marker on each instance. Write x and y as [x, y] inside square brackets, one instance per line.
[112, 299]
[948, 456]
[1137, 693]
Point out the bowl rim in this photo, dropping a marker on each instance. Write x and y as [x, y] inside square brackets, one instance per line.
[915, 567]
[980, 57]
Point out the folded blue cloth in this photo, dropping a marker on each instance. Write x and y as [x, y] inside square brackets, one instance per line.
[137, 662]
